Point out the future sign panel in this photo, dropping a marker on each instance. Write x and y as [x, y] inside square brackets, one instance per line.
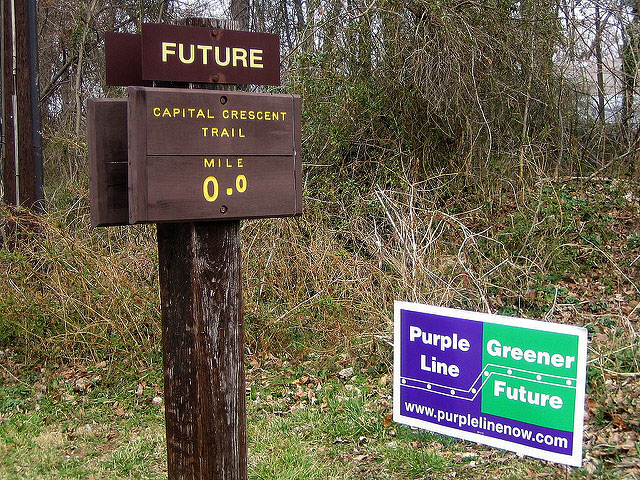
[506, 382]
[192, 54]
[195, 54]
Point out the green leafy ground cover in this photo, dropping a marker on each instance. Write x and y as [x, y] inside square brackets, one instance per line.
[80, 368]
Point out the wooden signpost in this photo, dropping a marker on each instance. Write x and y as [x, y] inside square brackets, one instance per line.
[195, 162]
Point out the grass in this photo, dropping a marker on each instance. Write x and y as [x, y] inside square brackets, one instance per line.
[78, 424]
[111, 432]
[80, 358]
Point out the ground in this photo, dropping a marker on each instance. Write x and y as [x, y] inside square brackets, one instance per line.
[326, 413]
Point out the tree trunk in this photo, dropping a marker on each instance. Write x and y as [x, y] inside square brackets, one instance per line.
[599, 65]
[240, 13]
[78, 79]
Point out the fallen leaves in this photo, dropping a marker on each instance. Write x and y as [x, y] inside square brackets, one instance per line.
[611, 434]
[388, 420]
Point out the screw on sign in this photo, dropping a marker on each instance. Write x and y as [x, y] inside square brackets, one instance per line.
[195, 162]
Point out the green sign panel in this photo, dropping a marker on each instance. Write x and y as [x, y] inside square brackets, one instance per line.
[535, 375]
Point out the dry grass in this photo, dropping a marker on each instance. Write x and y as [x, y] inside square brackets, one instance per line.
[320, 288]
[324, 282]
[74, 292]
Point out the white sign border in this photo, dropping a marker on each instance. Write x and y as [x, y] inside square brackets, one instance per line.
[581, 365]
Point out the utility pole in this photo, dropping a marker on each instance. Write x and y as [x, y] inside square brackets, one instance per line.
[22, 174]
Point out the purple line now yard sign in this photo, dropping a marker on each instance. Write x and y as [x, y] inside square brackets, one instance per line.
[506, 382]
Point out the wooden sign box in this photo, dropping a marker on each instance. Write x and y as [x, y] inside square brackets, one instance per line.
[108, 161]
[169, 155]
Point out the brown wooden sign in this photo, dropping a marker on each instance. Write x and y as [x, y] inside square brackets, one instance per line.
[195, 54]
[108, 156]
[203, 155]
[180, 158]
[123, 59]
[191, 54]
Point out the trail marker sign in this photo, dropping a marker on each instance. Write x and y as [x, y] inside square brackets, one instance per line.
[212, 154]
[506, 382]
[181, 158]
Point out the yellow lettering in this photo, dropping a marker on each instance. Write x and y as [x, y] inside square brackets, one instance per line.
[241, 183]
[240, 163]
[165, 50]
[176, 112]
[255, 58]
[209, 163]
[243, 114]
[192, 55]
[225, 114]
[227, 55]
[205, 189]
[209, 114]
[234, 114]
[283, 114]
[239, 55]
[252, 115]
[228, 164]
[156, 111]
[166, 113]
[200, 113]
[260, 115]
[205, 53]
[267, 115]
[225, 132]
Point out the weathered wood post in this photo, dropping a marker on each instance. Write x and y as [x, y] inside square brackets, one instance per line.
[203, 345]
[203, 350]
